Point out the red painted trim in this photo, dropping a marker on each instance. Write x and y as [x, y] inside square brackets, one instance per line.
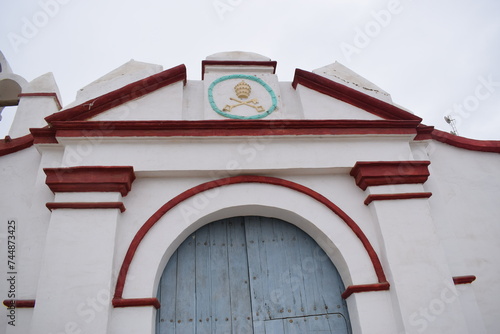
[85, 205]
[376, 173]
[53, 95]
[231, 128]
[90, 178]
[8, 145]
[44, 135]
[424, 132]
[133, 302]
[386, 197]
[358, 99]
[19, 303]
[206, 63]
[365, 288]
[464, 279]
[120, 96]
[248, 128]
[377, 266]
[466, 143]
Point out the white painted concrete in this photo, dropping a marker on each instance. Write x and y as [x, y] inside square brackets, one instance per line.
[69, 259]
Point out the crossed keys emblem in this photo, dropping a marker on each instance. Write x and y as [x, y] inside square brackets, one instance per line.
[243, 91]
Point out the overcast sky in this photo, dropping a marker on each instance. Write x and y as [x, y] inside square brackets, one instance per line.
[435, 58]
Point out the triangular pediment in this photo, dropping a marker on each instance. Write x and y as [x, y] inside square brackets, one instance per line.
[332, 92]
[339, 73]
[342, 90]
[121, 76]
[316, 105]
[140, 100]
[117, 100]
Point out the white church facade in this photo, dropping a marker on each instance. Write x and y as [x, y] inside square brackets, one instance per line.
[241, 204]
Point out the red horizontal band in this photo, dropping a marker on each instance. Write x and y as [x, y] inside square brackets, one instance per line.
[221, 128]
[464, 279]
[377, 173]
[53, 95]
[19, 303]
[205, 63]
[365, 288]
[86, 205]
[90, 179]
[133, 302]
[386, 197]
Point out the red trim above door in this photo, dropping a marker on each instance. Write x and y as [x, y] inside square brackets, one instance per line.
[377, 266]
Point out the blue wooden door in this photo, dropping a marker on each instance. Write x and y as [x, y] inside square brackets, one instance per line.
[251, 275]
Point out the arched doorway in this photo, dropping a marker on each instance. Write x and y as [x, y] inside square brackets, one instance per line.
[251, 275]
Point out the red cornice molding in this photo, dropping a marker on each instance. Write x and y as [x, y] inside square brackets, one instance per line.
[240, 128]
[358, 99]
[466, 143]
[377, 173]
[52, 95]
[129, 256]
[19, 303]
[8, 145]
[205, 63]
[44, 135]
[424, 132]
[210, 128]
[134, 302]
[85, 205]
[120, 96]
[365, 288]
[464, 279]
[388, 197]
[90, 178]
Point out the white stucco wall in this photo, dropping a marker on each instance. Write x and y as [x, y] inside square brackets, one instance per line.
[22, 200]
[421, 243]
[465, 186]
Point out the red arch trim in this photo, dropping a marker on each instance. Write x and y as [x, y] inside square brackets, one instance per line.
[120, 284]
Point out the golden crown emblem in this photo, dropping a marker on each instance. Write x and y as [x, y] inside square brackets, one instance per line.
[242, 90]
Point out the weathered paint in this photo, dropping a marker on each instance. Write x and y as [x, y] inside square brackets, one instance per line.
[251, 275]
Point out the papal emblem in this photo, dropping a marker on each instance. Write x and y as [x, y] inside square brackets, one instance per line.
[241, 96]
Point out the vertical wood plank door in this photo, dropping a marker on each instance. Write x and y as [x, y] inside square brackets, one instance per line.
[251, 275]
